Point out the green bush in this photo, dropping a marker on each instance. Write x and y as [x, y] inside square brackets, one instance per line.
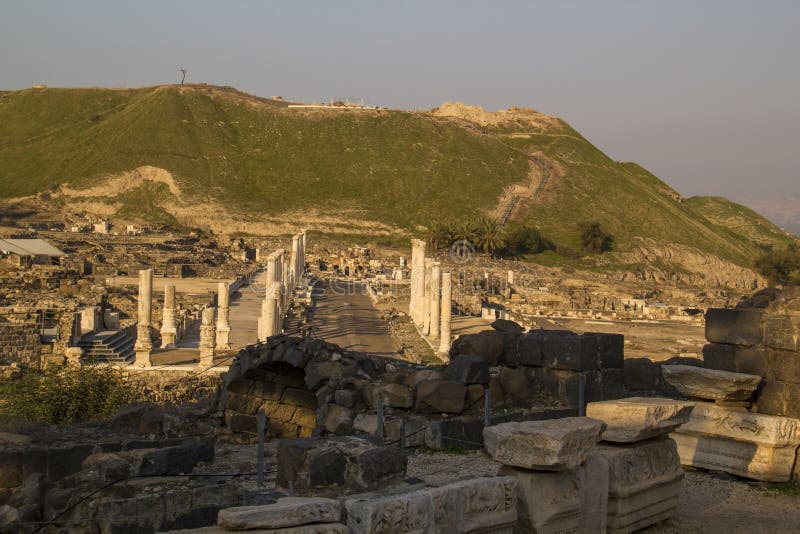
[64, 395]
[527, 240]
[594, 238]
[780, 267]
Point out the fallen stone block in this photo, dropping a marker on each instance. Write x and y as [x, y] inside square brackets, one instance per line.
[484, 504]
[346, 462]
[287, 512]
[711, 384]
[639, 418]
[552, 445]
[734, 326]
[487, 345]
[396, 395]
[467, 370]
[644, 483]
[747, 444]
[410, 513]
[562, 501]
[440, 396]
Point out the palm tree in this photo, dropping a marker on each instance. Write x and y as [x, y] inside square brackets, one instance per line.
[489, 235]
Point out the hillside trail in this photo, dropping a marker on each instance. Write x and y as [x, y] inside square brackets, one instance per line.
[538, 177]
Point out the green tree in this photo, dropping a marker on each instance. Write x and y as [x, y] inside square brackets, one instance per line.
[489, 235]
[780, 267]
[594, 238]
[526, 240]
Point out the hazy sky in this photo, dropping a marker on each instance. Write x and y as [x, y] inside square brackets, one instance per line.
[703, 93]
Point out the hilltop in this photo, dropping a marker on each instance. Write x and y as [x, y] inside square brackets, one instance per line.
[216, 158]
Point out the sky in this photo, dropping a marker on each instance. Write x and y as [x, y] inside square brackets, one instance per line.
[705, 94]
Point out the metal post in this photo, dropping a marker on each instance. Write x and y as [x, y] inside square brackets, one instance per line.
[582, 395]
[487, 407]
[262, 427]
[402, 434]
[379, 430]
[291, 488]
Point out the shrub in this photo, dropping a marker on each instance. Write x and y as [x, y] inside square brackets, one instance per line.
[780, 267]
[527, 240]
[594, 238]
[64, 395]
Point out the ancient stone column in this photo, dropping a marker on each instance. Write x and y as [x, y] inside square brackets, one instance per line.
[169, 329]
[144, 345]
[295, 262]
[417, 281]
[207, 338]
[223, 317]
[279, 313]
[272, 272]
[446, 310]
[436, 295]
[426, 298]
[510, 278]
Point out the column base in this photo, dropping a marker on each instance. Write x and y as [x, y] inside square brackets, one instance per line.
[142, 359]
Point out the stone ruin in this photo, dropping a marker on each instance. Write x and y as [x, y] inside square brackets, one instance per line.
[343, 422]
[617, 471]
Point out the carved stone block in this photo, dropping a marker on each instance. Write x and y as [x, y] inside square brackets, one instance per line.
[644, 482]
[638, 418]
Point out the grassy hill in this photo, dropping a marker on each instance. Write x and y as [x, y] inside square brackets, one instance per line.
[258, 158]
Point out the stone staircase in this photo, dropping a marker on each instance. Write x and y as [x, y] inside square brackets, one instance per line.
[108, 346]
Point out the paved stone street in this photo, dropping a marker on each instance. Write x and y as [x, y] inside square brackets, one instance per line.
[344, 315]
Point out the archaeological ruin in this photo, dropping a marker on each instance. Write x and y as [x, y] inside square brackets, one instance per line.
[302, 387]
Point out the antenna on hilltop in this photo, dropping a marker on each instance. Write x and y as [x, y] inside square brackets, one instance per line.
[183, 75]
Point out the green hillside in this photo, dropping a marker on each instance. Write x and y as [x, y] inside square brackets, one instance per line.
[259, 158]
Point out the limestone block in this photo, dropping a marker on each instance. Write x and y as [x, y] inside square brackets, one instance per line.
[638, 418]
[747, 444]
[467, 370]
[711, 383]
[562, 501]
[784, 366]
[782, 332]
[440, 396]
[409, 513]
[644, 483]
[287, 512]
[550, 445]
[475, 505]
[734, 326]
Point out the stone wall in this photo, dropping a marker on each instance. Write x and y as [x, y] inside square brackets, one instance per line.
[558, 364]
[761, 336]
[174, 386]
[310, 387]
[20, 343]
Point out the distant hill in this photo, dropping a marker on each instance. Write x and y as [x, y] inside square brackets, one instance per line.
[214, 157]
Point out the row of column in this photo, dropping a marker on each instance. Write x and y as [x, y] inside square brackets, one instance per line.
[430, 306]
[214, 335]
[283, 276]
